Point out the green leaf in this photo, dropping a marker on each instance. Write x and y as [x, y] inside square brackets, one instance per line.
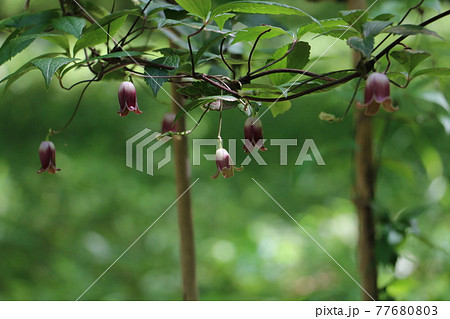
[409, 59]
[119, 54]
[364, 46]
[222, 18]
[433, 72]
[49, 66]
[384, 17]
[103, 22]
[410, 29]
[199, 8]
[27, 20]
[335, 27]
[27, 67]
[14, 45]
[372, 28]
[97, 35]
[157, 5]
[355, 18]
[59, 40]
[204, 48]
[199, 89]
[261, 7]
[280, 108]
[156, 83]
[297, 59]
[250, 34]
[72, 25]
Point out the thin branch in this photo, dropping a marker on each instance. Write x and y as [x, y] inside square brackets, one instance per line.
[122, 41]
[296, 71]
[309, 91]
[423, 24]
[74, 112]
[190, 46]
[401, 21]
[170, 133]
[352, 99]
[320, 76]
[224, 60]
[109, 27]
[220, 86]
[277, 60]
[253, 50]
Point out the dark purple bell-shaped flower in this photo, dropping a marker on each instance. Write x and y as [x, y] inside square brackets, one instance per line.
[224, 164]
[253, 133]
[127, 99]
[377, 92]
[168, 124]
[47, 154]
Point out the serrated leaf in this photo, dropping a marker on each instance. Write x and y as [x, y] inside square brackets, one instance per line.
[27, 67]
[156, 83]
[222, 18]
[334, 27]
[409, 59]
[297, 59]
[364, 46]
[260, 7]
[433, 72]
[410, 29]
[372, 28]
[49, 66]
[280, 108]
[200, 8]
[354, 18]
[250, 34]
[72, 25]
[98, 35]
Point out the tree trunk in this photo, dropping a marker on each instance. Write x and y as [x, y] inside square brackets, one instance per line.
[182, 172]
[364, 192]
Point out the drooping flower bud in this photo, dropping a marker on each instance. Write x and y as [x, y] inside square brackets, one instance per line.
[224, 164]
[377, 92]
[127, 99]
[253, 133]
[47, 155]
[168, 124]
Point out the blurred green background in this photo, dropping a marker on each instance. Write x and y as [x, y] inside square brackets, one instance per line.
[58, 233]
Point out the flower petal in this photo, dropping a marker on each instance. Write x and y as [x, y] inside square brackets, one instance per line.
[387, 105]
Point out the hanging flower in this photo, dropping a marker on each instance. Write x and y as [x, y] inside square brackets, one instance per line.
[253, 133]
[47, 154]
[127, 99]
[168, 124]
[377, 92]
[224, 164]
